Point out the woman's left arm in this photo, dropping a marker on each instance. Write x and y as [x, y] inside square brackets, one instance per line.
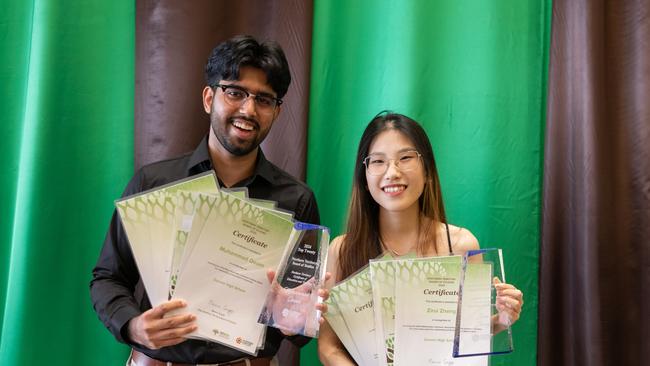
[509, 299]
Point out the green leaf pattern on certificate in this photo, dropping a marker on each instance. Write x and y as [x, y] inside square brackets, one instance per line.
[206, 203]
[234, 209]
[133, 211]
[354, 296]
[414, 272]
[408, 273]
[390, 349]
[348, 292]
[163, 206]
[383, 280]
[138, 209]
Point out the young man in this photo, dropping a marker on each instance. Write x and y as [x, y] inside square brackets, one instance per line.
[245, 83]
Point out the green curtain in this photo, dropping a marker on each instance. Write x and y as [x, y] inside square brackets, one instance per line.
[67, 80]
[474, 74]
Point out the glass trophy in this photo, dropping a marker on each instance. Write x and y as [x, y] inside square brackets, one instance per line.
[291, 302]
[480, 328]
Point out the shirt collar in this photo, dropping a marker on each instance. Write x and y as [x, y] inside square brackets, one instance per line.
[265, 169]
[200, 162]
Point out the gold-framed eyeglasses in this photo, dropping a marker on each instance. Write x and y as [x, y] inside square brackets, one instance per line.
[377, 164]
[235, 96]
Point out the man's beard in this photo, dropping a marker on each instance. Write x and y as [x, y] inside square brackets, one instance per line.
[228, 143]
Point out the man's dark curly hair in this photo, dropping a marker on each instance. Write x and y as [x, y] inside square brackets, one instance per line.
[226, 59]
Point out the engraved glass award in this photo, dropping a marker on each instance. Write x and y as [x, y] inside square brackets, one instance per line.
[480, 328]
[291, 302]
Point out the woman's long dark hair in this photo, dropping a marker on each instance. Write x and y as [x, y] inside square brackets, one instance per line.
[361, 242]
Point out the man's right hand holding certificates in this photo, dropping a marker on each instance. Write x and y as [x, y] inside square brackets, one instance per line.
[153, 330]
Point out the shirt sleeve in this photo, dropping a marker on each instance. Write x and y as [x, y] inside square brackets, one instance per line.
[308, 209]
[116, 275]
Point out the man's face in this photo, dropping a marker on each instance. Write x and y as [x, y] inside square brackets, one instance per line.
[241, 128]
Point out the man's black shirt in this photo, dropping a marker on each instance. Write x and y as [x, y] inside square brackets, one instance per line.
[116, 289]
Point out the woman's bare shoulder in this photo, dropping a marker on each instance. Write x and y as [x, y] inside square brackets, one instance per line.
[335, 245]
[462, 240]
[333, 259]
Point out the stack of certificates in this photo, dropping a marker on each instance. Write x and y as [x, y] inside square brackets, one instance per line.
[417, 311]
[212, 247]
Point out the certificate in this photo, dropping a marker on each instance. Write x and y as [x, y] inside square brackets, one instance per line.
[192, 208]
[191, 204]
[382, 278]
[354, 299]
[223, 275]
[337, 323]
[426, 300]
[148, 219]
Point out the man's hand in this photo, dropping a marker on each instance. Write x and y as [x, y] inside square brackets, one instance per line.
[295, 323]
[152, 330]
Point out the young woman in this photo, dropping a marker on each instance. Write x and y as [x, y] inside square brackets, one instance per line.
[396, 207]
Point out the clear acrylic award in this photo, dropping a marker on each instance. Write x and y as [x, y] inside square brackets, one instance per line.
[291, 302]
[480, 328]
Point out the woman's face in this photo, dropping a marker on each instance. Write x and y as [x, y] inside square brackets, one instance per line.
[400, 186]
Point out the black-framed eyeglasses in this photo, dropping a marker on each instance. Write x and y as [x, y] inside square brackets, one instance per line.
[236, 96]
[377, 164]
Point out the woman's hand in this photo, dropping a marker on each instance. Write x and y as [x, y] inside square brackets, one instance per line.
[509, 302]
